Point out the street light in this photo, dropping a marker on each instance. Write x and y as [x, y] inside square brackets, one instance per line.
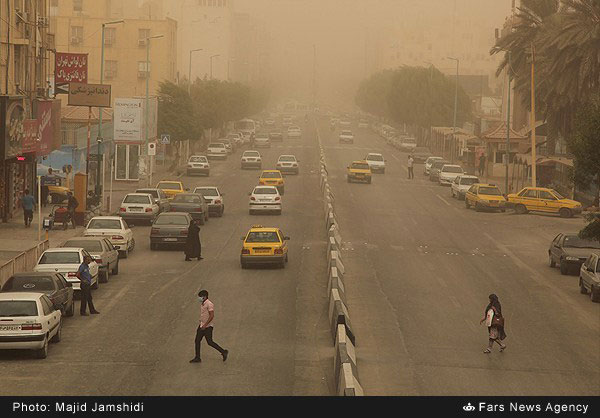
[211, 61]
[147, 101]
[190, 69]
[430, 94]
[100, 110]
[455, 105]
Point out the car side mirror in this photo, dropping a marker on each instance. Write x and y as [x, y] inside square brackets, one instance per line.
[57, 307]
[286, 238]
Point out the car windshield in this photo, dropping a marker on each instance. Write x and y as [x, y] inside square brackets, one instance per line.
[287, 159]
[439, 164]
[573, 241]
[261, 136]
[207, 192]
[432, 160]
[468, 181]
[374, 157]
[186, 198]
[558, 195]
[88, 245]
[490, 191]
[10, 308]
[28, 284]
[262, 236]
[271, 175]
[216, 145]
[154, 193]
[360, 166]
[169, 186]
[265, 190]
[104, 224]
[347, 133]
[251, 154]
[197, 159]
[172, 220]
[136, 199]
[62, 257]
[233, 136]
[452, 169]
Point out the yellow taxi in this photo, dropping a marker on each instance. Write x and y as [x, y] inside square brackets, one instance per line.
[485, 196]
[541, 199]
[359, 171]
[272, 178]
[171, 188]
[263, 245]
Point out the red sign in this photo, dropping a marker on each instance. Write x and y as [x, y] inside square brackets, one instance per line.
[70, 68]
[30, 135]
[45, 130]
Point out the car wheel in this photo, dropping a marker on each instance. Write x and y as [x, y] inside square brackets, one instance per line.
[369, 182]
[250, 212]
[132, 245]
[594, 294]
[551, 261]
[152, 247]
[477, 207]
[286, 258]
[97, 283]
[582, 288]
[521, 209]
[244, 266]
[103, 276]
[71, 309]
[124, 254]
[564, 270]
[222, 212]
[565, 213]
[43, 352]
[202, 221]
[467, 204]
[58, 335]
[115, 270]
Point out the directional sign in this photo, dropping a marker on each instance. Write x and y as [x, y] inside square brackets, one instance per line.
[151, 148]
[165, 139]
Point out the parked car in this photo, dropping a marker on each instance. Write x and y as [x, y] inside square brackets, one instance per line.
[262, 140]
[159, 196]
[570, 252]
[485, 196]
[139, 207]
[171, 188]
[67, 261]
[214, 198]
[461, 184]
[288, 164]
[542, 199]
[434, 171]
[115, 229]
[376, 162]
[102, 251]
[29, 321]
[169, 228]
[428, 163]
[228, 144]
[420, 154]
[589, 277]
[448, 173]
[192, 203]
[265, 199]
[216, 150]
[52, 284]
[198, 164]
[251, 159]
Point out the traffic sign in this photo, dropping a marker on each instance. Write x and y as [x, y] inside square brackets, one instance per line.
[165, 139]
[151, 148]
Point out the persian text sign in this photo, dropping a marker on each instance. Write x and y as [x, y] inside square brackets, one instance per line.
[30, 135]
[45, 131]
[127, 120]
[70, 68]
[96, 95]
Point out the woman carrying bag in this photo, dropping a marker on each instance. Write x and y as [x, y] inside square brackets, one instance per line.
[495, 322]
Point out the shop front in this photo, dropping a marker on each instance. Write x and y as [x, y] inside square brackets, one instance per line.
[127, 161]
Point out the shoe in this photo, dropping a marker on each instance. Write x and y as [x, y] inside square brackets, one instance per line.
[502, 348]
[188, 259]
[487, 351]
[195, 360]
[95, 313]
[200, 258]
[84, 314]
[225, 354]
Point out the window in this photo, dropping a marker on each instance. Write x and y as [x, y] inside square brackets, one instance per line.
[67, 257]
[46, 305]
[28, 284]
[262, 237]
[137, 199]
[104, 224]
[142, 35]
[532, 194]
[546, 195]
[187, 198]
[78, 6]
[76, 35]
[88, 245]
[12, 308]
[172, 220]
[110, 69]
[110, 36]
[144, 66]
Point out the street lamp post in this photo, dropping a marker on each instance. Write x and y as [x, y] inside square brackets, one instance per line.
[211, 61]
[100, 110]
[430, 96]
[190, 69]
[149, 166]
[455, 106]
[507, 127]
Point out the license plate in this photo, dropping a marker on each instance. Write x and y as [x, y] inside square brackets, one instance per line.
[170, 239]
[10, 327]
[494, 203]
[261, 251]
[135, 209]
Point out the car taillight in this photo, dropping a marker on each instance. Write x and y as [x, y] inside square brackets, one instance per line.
[184, 232]
[148, 209]
[31, 327]
[116, 237]
[98, 260]
[278, 164]
[72, 274]
[198, 210]
[173, 209]
[245, 251]
[122, 210]
[217, 202]
[278, 250]
[252, 198]
[154, 231]
[277, 198]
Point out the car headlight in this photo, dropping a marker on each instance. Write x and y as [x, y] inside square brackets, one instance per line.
[572, 258]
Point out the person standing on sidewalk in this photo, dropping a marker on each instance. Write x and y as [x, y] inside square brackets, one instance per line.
[28, 203]
[481, 165]
[72, 204]
[84, 275]
[495, 322]
[411, 161]
[205, 329]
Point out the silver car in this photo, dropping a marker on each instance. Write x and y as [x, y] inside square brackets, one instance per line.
[589, 277]
[160, 198]
[103, 253]
[192, 203]
[214, 198]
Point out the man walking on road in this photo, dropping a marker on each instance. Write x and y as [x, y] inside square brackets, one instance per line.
[411, 174]
[72, 203]
[83, 274]
[28, 202]
[205, 329]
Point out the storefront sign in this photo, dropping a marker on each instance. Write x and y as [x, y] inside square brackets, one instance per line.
[30, 135]
[95, 95]
[56, 125]
[45, 129]
[69, 68]
[127, 120]
[12, 118]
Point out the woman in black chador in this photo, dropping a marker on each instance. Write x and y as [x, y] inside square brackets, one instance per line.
[193, 248]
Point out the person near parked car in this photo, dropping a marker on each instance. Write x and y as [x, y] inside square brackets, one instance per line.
[411, 161]
[495, 322]
[481, 165]
[28, 203]
[205, 329]
[84, 275]
[193, 247]
[72, 204]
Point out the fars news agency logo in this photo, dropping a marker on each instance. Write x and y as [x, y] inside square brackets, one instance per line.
[468, 407]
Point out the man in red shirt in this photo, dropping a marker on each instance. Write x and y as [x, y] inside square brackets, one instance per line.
[205, 329]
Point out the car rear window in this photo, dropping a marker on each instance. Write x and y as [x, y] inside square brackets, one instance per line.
[374, 157]
[452, 169]
[10, 308]
[188, 198]
[88, 245]
[28, 284]
[251, 154]
[207, 192]
[468, 181]
[490, 191]
[62, 257]
[170, 186]
[136, 199]
[154, 193]
[438, 164]
[171, 220]
[261, 136]
[216, 145]
[573, 241]
[197, 159]
[360, 166]
[262, 237]
[346, 133]
[104, 224]
[287, 159]
[265, 190]
[271, 175]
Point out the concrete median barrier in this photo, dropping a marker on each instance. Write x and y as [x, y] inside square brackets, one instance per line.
[335, 260]
[331, 220]
[336, 281]
[338, 314]
[334, 231]
[348, 384]
[332, 245]
[344, 354]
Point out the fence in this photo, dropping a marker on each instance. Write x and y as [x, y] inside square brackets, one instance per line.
[23, 262]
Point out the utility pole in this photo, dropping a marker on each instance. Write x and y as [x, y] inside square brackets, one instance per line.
[507, 129]
[533, 139]
[149, 160]
[211, 66]
[190, 70]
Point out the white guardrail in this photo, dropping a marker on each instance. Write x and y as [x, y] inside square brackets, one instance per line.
[344, 363]
[22, 262]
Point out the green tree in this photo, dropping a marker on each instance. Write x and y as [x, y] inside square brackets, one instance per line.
[176, 113]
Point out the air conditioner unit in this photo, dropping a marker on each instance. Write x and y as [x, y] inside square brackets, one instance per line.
[141, 42]
[75, 40]
[43, 21]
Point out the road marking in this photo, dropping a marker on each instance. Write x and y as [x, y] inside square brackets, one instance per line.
[439, 279]
[116, 298]
[455, 302]
[443, 200]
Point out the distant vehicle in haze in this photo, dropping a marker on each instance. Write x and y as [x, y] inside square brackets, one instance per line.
[217, 150]
[346, 137]
[276, 136]
[434, 171]
[429, 163]
[294, 132]
[169, 228]
[214, 198]
[139, 207]
[407, 144]
[246, 126]
[262, 140]
[363, 124]
[461, 184]
[251, 159]
[198, 164]
[420, 154]
[159, 196]
[192, 203]
[288, 164]
[359, 171]
[265, 199]
[236, 138]
[376, 162]
[448, 173]
[228, 144]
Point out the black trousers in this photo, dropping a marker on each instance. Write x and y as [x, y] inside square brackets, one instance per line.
[207, 332]
[28, 216]
[411, 174]
[86, 298]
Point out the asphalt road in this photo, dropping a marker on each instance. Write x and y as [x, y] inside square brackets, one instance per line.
[273, 322]
[419, 269]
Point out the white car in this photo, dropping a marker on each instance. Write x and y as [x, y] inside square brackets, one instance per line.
[344, 123]
[288, 164]
[294, 132]
[376, 162]
[214, 199]
[265, 199]
[29, 321]
[262, 139]
[115, 229]
[346, 137]
[269, 122]
[216, 150]
[139, 207]
[66, 260]
[251, 159]
[429, 162]
[363, 124]
[236, 138]
[461, 184]
[407, 144]
[198, 164]
[448, 173]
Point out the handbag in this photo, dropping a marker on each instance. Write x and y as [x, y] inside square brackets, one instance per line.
[498, 321]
